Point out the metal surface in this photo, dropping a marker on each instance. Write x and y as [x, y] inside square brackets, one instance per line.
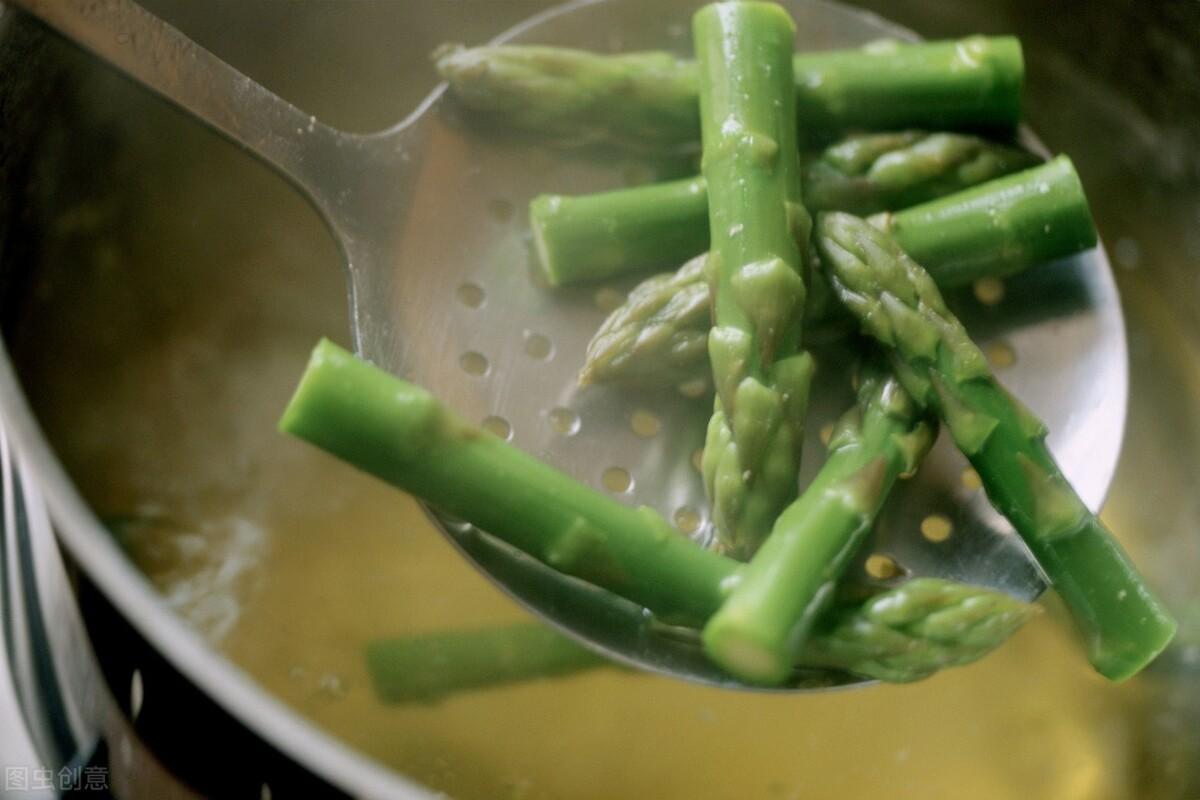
[47, 698]
[431, 206]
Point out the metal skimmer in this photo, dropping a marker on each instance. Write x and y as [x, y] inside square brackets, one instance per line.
[429, 216]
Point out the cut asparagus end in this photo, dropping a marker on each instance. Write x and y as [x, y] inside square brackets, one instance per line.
[1124, 626]
[1118, 662]
[733, 644]
[997, 228]
[338, 393]
[540, 210]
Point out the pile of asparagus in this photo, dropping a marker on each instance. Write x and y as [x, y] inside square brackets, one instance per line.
[948, 209]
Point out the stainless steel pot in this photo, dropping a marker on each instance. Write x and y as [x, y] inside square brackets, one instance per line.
[1113, 84]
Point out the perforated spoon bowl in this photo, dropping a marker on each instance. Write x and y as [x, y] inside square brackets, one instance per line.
[429, 219]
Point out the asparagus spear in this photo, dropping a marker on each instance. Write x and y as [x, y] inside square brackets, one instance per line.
[759, 229]
[397, 432]
[997, 228]
[993, 230]
[595, 236]
[758, 632]
[1124, 624]
[400, 433]
[1002, 225]
[648, 100]
[900, 635]
[424, 668]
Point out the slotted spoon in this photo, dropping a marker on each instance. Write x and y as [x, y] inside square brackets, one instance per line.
[429, 218]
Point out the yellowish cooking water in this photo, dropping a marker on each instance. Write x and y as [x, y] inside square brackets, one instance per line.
[175, 343]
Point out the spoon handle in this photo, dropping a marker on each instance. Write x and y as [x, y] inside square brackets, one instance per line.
[147, 49]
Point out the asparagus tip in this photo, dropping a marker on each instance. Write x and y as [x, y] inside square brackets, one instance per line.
[542, 208]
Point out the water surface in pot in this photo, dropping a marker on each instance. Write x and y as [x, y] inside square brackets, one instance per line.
[183, 285]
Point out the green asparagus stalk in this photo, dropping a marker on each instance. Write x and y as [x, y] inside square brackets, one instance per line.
[994, 230]
[649, 100]
[998, 228]
[758, 633]
[1123, 623]
[428, 667]
[900, 635]
[759, 228]
[400, 433]
[397, 432]
[596, 236]
[590, 237]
